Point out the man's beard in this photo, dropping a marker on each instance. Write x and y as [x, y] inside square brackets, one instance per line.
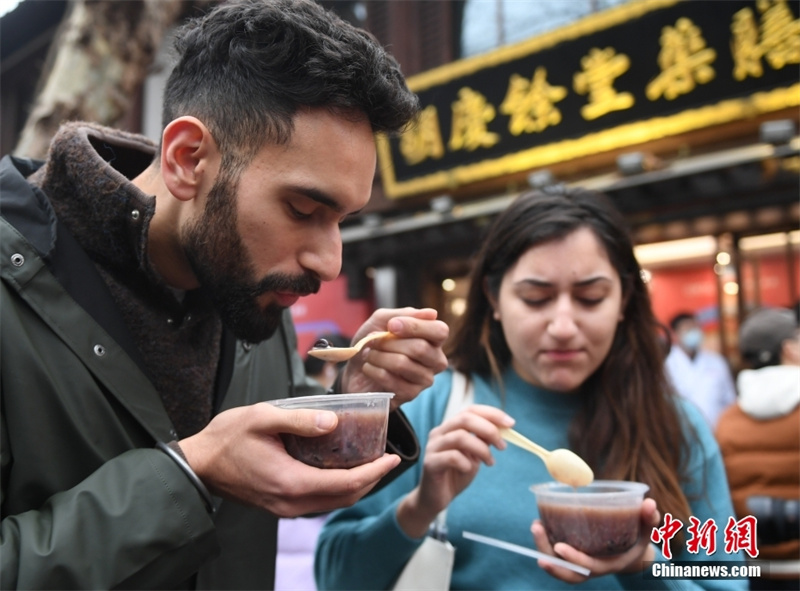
[226, 272]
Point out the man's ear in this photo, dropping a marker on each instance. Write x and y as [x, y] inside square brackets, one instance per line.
[188, 156]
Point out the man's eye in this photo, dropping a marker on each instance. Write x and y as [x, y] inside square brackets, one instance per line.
[297, 214]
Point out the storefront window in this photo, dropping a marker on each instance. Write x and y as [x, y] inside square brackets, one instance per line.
[489, 24]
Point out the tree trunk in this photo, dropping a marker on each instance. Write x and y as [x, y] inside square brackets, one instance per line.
[98, 62]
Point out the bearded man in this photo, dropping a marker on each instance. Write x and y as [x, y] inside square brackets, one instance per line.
[144, 311]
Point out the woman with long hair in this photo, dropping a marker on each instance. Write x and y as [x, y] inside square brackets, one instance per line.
[559, 333]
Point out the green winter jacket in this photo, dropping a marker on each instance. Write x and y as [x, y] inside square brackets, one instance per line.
[87, 501]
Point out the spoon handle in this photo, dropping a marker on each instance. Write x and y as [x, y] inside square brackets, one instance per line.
[369, 337]
[521, 441]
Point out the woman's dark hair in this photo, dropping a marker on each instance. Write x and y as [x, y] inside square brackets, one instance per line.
[629, 426]
[248, 66]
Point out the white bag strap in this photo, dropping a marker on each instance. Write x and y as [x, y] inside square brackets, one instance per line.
[462, 394]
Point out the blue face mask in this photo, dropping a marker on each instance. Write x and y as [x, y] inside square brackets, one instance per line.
[692, 339]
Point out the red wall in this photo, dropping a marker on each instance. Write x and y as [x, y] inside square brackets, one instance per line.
[685, 289]
[329, 310]
[773, 281]
[694, 288]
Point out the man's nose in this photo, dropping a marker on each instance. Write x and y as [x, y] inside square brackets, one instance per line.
[323, 255]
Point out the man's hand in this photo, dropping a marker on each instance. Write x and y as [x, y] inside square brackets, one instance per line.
[404, 364]
[240, 456]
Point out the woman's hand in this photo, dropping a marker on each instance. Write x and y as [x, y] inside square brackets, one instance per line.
[453, 455]
[631, 561]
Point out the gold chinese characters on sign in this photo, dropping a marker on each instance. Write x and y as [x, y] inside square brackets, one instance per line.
[471, 115]
[530, 105]
[765, 36]
[423, 139]
[776, 38]
[685, 61]
[600, 68]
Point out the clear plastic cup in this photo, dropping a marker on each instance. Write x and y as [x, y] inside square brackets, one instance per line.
[601, 519]
[359, 437]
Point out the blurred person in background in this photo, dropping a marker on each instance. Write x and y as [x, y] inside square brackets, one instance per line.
[698, 374]
[297, 537]
[760, 441]
[559, 333]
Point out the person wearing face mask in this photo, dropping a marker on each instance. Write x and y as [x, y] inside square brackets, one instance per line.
[698, 374]
[558, 339]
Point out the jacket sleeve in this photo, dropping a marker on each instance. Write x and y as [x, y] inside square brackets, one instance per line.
[140, 495]
[401, 439]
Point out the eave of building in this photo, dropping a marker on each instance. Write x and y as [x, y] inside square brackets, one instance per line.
[740, 165]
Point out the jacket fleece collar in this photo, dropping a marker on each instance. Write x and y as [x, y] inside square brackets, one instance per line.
[87, 179]
[82, 164]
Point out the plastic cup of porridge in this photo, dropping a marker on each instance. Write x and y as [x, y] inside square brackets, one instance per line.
[359, 437]
[600, 519]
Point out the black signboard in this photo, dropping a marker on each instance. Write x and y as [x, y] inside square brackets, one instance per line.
[639, 72]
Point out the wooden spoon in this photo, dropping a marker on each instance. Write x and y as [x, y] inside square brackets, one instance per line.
[563, 465]
[337, 354]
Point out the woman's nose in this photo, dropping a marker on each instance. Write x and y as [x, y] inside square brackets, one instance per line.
[562, 324]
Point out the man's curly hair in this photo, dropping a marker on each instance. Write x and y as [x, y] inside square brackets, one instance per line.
[248, 66]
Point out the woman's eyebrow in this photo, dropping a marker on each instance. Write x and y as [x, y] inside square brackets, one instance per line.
[582, 283]
[593, 280]
[533, 282]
